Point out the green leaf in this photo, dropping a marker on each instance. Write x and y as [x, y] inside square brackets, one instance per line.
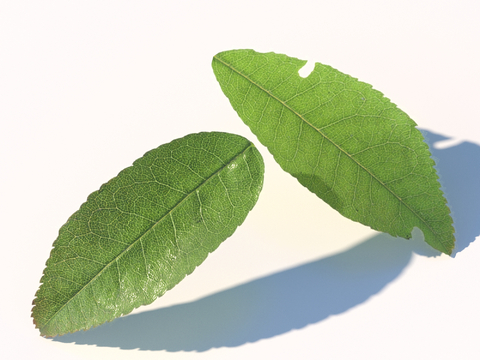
[341, 139]
[146, 229]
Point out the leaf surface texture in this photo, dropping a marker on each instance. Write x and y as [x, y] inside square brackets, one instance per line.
[342, 140]
[146, 229]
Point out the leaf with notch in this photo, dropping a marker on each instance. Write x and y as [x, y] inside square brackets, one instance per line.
[146, 229]
[342, 140]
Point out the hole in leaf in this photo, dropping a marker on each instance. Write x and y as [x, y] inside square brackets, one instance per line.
[443, 144]
[306, 69]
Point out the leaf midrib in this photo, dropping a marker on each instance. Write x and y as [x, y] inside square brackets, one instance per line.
[194, 191]
[331, 141]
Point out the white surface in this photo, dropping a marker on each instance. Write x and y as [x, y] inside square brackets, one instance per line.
[86, 87]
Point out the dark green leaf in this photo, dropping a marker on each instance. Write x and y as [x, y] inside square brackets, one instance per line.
[146, 229]
[341, 139]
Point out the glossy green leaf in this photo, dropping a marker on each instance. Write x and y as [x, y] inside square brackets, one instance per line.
[341, 139]
[146, 229]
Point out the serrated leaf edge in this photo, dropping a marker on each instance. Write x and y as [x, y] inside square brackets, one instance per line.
[194, 191]
[446, 250]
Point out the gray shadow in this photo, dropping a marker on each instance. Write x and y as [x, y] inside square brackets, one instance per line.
[293, 298]
[262, 308]
[459, 170]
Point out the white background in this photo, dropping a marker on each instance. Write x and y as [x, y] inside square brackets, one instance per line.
[87, 87]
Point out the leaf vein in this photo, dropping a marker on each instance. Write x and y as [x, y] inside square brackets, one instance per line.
[301, 117]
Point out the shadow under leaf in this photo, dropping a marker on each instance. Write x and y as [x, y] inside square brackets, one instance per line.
[459, 170]
[262, 308]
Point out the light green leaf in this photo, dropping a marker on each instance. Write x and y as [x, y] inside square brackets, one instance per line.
[341, 139]
[146, 229]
